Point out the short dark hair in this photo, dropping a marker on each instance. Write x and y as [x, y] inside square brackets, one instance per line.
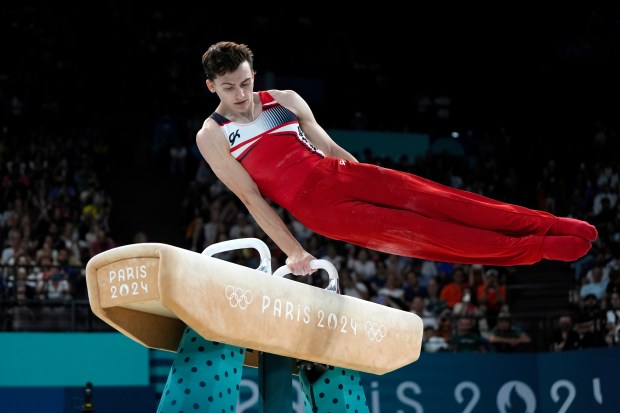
[225, 57]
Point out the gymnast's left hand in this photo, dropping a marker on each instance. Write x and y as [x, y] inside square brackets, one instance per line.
[299, 263]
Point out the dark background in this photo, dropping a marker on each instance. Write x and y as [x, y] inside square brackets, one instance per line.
[524, 65]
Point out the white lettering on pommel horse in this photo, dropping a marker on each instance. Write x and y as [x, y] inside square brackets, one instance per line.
[128, 281]
[284, 310]
[317, 317]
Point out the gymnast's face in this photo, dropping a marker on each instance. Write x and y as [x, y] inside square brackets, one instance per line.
[235, 88]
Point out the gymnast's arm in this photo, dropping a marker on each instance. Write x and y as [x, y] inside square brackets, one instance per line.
[314, 132]
[214, 149]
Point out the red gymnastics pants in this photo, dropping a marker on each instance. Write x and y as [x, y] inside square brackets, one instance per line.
[404, 214]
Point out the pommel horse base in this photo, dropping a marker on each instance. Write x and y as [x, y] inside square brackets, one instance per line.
[201, 307]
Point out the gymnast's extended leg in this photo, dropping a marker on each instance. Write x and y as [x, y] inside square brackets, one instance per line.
[408, 215]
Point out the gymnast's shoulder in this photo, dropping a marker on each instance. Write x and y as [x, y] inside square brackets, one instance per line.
[210, 133]
[286, 97]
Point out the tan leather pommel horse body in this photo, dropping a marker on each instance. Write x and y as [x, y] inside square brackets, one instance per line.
[151, 291]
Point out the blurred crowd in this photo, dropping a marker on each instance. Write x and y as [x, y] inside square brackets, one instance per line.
[54, 216]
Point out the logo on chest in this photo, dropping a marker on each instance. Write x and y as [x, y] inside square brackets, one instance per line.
[233, 137]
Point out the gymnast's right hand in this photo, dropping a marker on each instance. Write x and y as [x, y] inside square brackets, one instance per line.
[299, 263]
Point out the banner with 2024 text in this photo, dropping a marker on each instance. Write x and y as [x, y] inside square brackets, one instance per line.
[569, 382]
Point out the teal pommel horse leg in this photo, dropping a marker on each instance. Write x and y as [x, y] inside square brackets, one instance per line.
[275, 383]
[205, 377]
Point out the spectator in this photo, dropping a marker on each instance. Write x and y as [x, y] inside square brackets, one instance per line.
[412, 286]
[393, 292]
[491, 296]
[14, 245]
[397, 264]
[56, 288]
[351, 287]
[433, 342]
[506, 337]
[452, 292]
[596, 287]
[331, 255]
[590, 323]
[417, 307]
[361, 265]
[613, 320]
[564, 337]
[475, 280]
[434, 303]
[466, 339]
[428, 270]
[241, 228]
[466, 308]
[103, 242]
[614, 282]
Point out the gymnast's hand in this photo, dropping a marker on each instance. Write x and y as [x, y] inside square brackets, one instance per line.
[299, 263]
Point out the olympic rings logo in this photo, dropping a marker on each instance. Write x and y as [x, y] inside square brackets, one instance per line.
[238, 297]
[375, 331]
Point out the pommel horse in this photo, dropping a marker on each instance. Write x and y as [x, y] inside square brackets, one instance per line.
[218, 316]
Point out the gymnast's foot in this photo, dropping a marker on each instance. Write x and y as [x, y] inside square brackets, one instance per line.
[565, 248]
[574, 227]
